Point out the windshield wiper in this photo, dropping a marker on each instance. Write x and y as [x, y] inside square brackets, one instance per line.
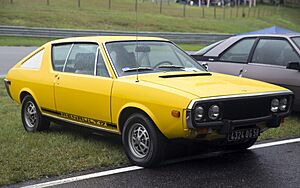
[127, 69]
[170, 67]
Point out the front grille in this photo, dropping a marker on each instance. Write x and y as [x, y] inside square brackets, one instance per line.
[246, 108]
[240, 108]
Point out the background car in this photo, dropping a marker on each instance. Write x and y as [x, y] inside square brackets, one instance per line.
[270, 58]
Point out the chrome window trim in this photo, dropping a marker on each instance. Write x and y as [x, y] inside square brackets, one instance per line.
[110, 76]
[193, 102]
[67, 57]
[110, 61]
[95, 62]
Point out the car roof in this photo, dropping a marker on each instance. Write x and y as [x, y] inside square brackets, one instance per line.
[217, 50]
[104, 39]
[270, 35]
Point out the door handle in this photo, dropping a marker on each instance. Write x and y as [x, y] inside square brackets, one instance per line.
[241, 73]
[56, 79]
[56, 76]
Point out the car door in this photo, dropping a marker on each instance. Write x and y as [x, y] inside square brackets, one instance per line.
[269, 63]
[83, 87]
[233, 59]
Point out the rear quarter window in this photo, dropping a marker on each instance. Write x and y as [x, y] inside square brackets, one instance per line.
[34, 62]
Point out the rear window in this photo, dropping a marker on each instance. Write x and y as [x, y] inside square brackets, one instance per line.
[34, 62]
[208, 48]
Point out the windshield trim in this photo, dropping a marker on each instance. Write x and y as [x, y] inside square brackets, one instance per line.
[295, 41]
[164, 41]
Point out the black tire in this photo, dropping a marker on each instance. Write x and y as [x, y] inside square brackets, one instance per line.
[33, 121]
[241, 146]
[150, 157]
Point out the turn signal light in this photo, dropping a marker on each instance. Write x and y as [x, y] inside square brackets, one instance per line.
[175, 113]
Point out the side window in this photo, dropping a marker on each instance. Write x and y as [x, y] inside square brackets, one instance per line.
[82, 59]
[239, 52]
[34, 62]
[274, 52]
[59, 55]
[101, 68]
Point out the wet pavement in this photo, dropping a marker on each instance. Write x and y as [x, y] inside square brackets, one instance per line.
[277, 166]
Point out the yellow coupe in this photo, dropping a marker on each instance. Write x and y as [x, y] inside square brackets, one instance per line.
[145, 89]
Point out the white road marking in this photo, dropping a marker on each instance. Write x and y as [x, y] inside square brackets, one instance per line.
[84, 177]
[133, 168]
[269, 144]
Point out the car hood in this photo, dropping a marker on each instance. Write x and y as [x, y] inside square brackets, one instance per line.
[209, 84]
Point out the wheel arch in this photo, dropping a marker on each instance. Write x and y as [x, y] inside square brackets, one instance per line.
[26, 91]
[130, 109]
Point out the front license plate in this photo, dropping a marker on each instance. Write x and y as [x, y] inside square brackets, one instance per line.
[242, 134]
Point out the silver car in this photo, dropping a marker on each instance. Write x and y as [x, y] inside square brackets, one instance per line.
[270, 58]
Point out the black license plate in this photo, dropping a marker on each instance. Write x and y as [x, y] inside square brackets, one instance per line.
[241, 134]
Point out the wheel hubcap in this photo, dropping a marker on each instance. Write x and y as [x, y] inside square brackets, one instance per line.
[139, 140]
[30, 114]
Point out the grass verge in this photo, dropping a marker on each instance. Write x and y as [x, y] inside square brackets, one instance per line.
[60, 150]
[23, 41]
[95, 14]
[31, 41]
[63, 150]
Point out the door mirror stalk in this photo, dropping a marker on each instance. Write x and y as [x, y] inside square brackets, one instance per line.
[205, 65]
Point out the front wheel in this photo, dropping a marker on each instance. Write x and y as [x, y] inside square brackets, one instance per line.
[143, 143]
[31, 116]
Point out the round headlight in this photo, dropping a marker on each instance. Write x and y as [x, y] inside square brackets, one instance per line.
[283, 104]
[214, 112]
[274, 105]
[199, 111]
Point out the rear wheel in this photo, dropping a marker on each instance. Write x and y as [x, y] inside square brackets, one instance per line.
[31, 116]
[143, 142]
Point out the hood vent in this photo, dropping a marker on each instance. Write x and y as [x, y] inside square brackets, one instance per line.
[185, 75]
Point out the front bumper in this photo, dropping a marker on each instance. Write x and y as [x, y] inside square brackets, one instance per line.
[7, 83]
[226, 126]
[239, 111]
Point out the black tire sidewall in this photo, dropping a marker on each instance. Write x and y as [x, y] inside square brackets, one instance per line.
[155, 154]
[25, 101]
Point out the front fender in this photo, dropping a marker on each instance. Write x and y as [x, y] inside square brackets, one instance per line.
[141, 107]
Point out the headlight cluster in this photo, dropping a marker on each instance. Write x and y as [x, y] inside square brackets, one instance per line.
[212, 112]
[279, 104]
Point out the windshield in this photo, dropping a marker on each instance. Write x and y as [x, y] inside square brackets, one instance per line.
[207, 48]
[297, 41]
[149, 56]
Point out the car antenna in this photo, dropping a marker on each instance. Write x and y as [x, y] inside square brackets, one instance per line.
[136, 40]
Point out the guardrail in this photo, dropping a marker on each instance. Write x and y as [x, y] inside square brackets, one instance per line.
[202, 38]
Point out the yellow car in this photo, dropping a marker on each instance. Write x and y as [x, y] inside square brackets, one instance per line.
[145, 89]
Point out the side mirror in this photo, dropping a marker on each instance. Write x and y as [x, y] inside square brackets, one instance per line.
[205, 65]
[293, 65]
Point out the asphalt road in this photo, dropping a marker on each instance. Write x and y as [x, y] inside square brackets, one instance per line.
[277, 166]
[10, 55]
